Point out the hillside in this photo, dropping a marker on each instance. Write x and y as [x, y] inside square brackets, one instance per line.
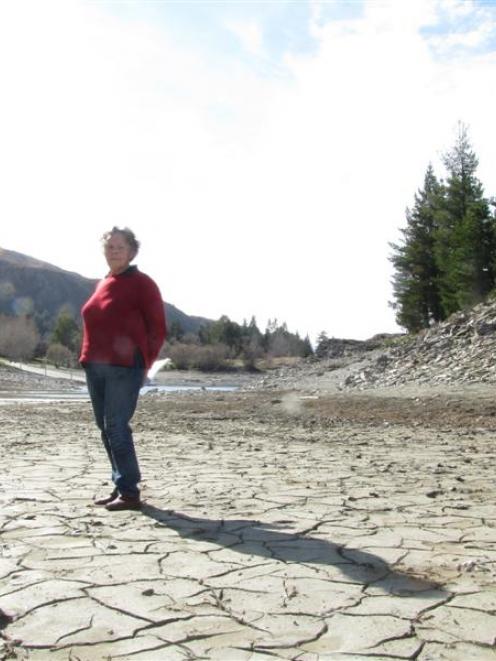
[28, 285]
[458, 352]
[460, 349]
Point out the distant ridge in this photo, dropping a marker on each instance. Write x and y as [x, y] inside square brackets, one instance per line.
[31, 286]
[18, 259]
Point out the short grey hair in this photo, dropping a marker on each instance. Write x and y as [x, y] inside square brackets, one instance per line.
[128, 235]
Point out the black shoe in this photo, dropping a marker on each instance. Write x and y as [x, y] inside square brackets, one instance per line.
[124, 503]
[108, 499]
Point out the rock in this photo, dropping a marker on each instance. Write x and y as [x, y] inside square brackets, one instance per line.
[457, 350]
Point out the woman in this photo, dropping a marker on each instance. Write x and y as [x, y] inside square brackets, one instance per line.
[123, 330]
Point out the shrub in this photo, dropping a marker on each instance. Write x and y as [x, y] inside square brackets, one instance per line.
[208, 358]
[180, 354]
[59, 355]
[18, 337]
[251, 353]
[66, 331]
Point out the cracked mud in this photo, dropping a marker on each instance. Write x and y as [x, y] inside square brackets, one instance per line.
[276, 525]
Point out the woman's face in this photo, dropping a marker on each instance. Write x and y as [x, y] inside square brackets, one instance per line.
[118, 253]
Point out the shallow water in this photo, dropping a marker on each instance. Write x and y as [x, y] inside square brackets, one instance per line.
[149, 389]
[81, 394]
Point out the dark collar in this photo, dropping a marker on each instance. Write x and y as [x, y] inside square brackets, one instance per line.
[129, 271]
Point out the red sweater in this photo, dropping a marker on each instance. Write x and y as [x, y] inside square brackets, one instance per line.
[124, 314]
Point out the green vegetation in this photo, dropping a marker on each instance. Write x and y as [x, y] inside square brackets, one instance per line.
[219, 345]
[447, 258]
[66, 332]
[226, 344]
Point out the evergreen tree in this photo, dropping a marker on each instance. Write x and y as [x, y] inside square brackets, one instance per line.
[253, 331]
[247, 340]
[203, 334]
[447, 258]
[175, 331]
[66, 331]
[466, 239]
[225, 331]
[416, 278]
[307, 347]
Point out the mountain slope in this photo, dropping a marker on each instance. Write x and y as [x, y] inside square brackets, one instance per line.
[31, 286]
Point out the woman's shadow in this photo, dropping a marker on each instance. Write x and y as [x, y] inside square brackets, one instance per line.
[273, 541]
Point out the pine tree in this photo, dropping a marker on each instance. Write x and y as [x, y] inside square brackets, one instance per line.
[466, 238]
[66, 331]
[448, 255]
[416, 278]
[307, 347]
[175, 331]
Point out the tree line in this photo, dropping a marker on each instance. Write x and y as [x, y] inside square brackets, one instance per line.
[446, 259]
[215, 346]
[220, 343]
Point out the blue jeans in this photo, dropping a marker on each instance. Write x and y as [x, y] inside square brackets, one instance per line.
[114, 394]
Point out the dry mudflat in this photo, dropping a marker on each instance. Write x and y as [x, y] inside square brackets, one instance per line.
[281, 522]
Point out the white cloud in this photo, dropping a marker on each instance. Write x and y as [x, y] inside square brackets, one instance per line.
[249, 34]
[470, 39]
[457, 8]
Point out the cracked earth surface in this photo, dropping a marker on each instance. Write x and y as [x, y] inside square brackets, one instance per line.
[276, 525]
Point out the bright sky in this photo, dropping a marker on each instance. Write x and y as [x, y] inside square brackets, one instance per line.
[263, 152]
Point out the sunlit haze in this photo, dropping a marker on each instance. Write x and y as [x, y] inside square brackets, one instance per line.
[263, 152]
